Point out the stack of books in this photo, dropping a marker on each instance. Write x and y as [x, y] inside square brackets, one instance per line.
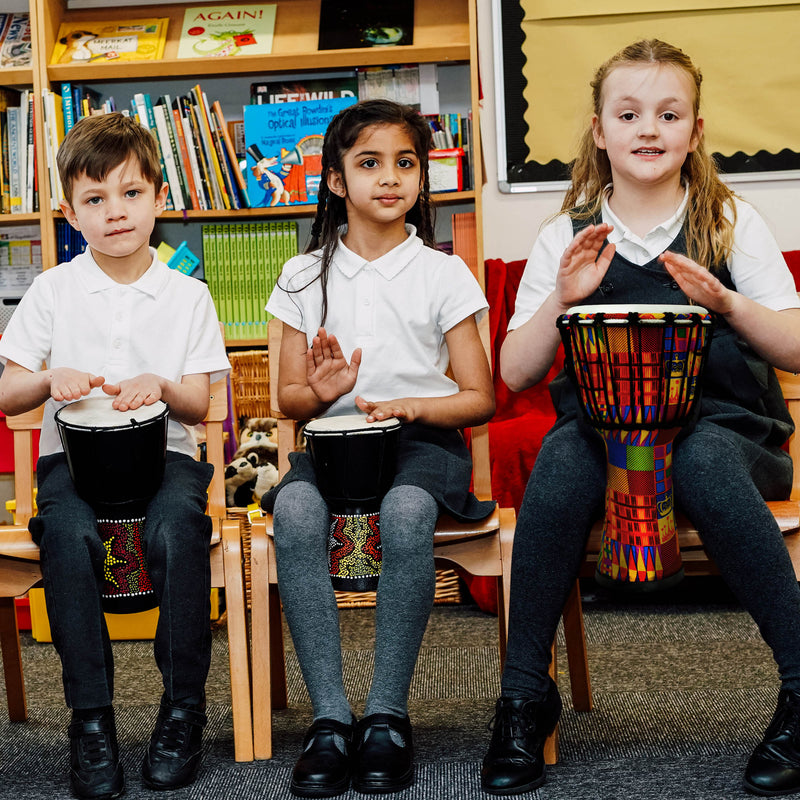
[18, 190]
[20, 263]
[242, 263]
[69, 242]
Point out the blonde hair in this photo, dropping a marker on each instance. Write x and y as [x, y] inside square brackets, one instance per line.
[709, 234]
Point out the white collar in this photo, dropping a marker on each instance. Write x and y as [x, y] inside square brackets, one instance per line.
[669, 227]
[388, 265]
[95, 280]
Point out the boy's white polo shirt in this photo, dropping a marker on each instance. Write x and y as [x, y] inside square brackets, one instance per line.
[396, 308]
[74, 315]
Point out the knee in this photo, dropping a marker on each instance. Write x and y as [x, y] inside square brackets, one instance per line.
[301, 519]
[408, 520]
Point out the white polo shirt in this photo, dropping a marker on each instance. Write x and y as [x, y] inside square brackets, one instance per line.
[396, 308]
[74, 315]
[756, 265]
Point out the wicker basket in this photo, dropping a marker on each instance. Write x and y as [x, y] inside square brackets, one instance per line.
[250, 383]
[448, 584]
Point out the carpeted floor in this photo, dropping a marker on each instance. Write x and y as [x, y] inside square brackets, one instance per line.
[683, 687]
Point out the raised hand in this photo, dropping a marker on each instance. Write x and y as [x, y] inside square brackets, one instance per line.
[698, 283]
[583, 266]
[328, 372]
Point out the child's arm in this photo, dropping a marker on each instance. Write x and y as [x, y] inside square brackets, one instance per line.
[528, 351]
[313, 378]
[474, 402]
[188, 400]
[21, 389]
[774, 335]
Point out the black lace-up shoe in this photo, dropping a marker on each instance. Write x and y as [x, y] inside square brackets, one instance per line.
[384, 754]
[514, 762]
[95, 771]
[175, 750]
[323, 770]
[774, 766]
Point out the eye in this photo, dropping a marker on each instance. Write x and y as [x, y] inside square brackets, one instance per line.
[406, 163]
[369, 163]
[628, 116]
[669, 116]
[132, 194]
[93, 201]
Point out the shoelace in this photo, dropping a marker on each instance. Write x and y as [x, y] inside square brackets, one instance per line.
[174, 735]
[95, 748]
[515, 724]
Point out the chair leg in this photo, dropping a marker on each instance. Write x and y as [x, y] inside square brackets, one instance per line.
[551, 744]
[12, 661]
[277, 655]
[577, 657]
[238, 649]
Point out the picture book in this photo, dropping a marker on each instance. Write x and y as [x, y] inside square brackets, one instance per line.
[365, 23]
[290, 91]
[97, 42]
[16, 49]
[284, 149]
[223, 30]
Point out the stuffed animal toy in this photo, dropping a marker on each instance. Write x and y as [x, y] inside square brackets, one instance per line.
[255, 463]
[240, 477]
[266, 478]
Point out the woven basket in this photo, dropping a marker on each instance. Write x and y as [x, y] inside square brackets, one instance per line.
[448, 585]
[250, 383]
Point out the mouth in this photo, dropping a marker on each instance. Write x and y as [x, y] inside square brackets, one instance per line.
[387, 198]
[119, 231]
[648, 151]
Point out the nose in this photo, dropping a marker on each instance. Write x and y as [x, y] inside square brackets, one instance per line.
[647, 126]
[389, 176]
[115, 208]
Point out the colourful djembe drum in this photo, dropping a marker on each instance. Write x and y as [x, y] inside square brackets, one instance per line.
[637, 372]
[355, 463]
[116, 460]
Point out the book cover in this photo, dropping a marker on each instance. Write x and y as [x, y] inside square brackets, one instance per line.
[284, 149]
[107, 40]
[16, 49]
[290, 91]
[224, 31]
[230, 150]
[365, 23]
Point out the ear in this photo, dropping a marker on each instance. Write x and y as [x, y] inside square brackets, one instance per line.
[597, 132]
[336, 183]
[69, 213]
[161, 198]
[697, 136]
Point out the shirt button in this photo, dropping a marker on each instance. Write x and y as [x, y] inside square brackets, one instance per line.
[117, 344]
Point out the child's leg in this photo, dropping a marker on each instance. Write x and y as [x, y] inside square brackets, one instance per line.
[564, 496]
[713, 485]
[176, 544]
[405, 595]
[302, 522]
[72, 557]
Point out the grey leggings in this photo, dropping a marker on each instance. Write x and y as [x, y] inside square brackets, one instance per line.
[404, 600]
[716, 488]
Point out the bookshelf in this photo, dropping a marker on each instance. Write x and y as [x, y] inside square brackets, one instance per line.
[444, 33]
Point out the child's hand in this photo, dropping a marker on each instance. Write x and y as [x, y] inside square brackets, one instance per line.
[401, 409]
[71, 384]
[698, 283]
[143, 390]
[329, 375]
[582, 267]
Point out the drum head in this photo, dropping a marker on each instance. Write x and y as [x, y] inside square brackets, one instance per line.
[350, 423]
[643, 308]
[98, 413]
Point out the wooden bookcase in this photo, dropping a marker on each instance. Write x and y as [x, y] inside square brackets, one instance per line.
[444, 33]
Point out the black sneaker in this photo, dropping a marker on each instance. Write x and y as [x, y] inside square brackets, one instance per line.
[175, 750]
[95, 772]
[323, 769]
[514, 762]
[774, 766]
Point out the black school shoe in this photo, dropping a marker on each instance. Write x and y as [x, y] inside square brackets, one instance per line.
[514, 762]
[94, 770]
[774, 766]
[323, 769]
[384, 759]
[175, 750]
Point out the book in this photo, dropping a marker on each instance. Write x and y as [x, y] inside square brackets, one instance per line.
[365, 23]
[241, 181]
[168, 157]
[14, 155]
[67, 106]
[290, 91]
[183, 149]
[17, 49]
[225, 31]
[284, 149]
[96, 42]
[216, 180]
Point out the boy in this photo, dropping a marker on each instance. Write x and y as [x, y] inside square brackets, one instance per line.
[116, 320]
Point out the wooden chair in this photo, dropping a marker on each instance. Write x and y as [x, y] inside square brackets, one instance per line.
[479, 549]
[695, 562]
[19, 567]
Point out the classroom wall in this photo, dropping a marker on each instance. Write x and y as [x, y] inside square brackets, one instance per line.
[510, 222]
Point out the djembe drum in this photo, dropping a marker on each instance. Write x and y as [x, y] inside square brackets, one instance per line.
[116, 460]
[637, 373]
[355, 463]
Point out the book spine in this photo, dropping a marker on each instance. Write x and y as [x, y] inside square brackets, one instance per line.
[5, 198]
[228, 181]
[204, 165]
[30, 148]
[168, 157]
[192, 148]
[208, 142]
[15, 185]
[188, 172]
[68, 108]
[241, 181]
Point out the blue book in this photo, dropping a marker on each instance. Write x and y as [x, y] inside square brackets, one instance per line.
[284, 149]
[67, 106]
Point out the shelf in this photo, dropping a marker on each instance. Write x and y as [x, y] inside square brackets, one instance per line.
[17, 76]
[13, 219]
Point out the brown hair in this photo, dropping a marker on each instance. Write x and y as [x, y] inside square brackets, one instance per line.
[96, 145]
[709, 234]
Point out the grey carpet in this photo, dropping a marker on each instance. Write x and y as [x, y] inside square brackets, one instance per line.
[683, 687]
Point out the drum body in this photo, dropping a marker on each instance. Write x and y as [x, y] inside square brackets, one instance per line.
[355, 463]
[637, 372]
[116, 460]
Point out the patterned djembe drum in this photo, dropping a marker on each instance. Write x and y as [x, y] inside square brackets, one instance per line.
[637, 372]
[116, 460]
[355, 463]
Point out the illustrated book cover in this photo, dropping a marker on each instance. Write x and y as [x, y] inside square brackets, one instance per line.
[16, 49]
[365, 23]
[284, 149]
[224, 31]
[290, 91]
[122, 40]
